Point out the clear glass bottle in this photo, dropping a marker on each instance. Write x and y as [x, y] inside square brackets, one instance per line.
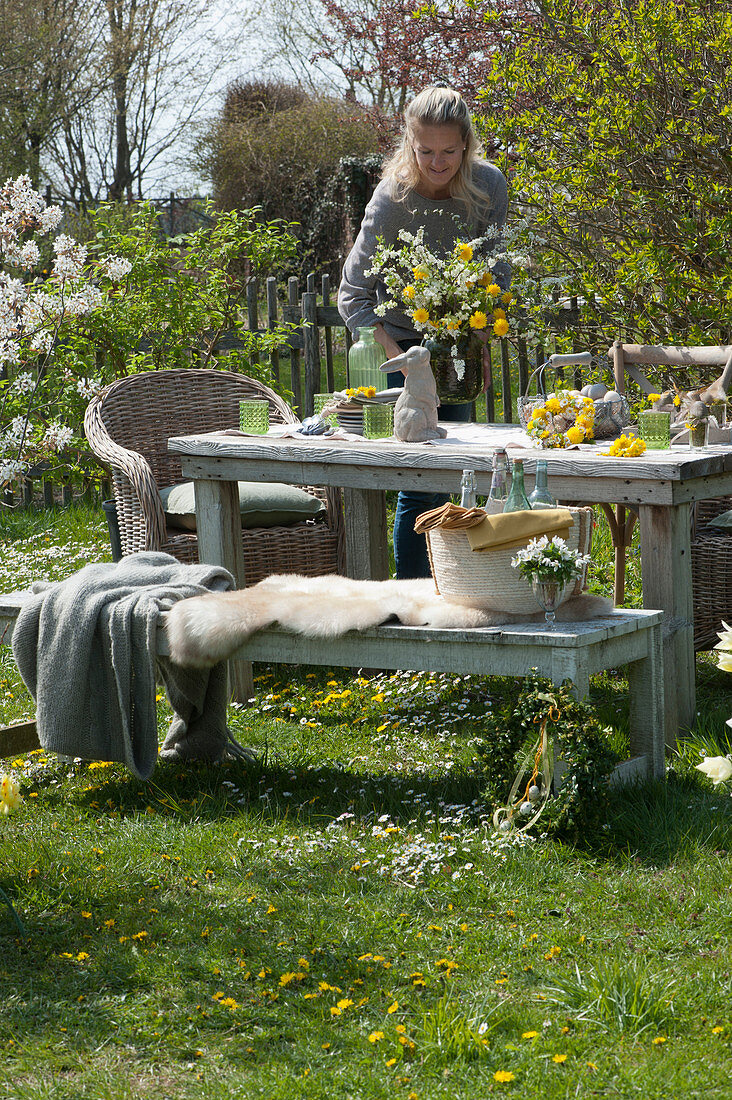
[468, 488]
[540, 497]
[517, 501]
[498, 492]
[364, 360]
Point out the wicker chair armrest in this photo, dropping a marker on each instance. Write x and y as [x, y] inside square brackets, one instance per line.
[135, 469]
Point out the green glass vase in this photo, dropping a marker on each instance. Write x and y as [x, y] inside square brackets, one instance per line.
[451, 388]
[364, 359]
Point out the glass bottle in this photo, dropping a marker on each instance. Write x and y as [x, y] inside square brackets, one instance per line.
[468, 488]
[517, 501]
[498, 492]
[364, 359]
[540, 497]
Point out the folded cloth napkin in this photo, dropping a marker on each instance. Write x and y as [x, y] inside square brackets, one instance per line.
[512, 529]
[449, 515]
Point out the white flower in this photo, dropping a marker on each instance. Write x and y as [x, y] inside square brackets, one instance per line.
[24, 382]
[115, 267]
[57, 436]
[725, 637]
[718, 768]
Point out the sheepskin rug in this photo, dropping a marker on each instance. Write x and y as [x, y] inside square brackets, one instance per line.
[203, 630]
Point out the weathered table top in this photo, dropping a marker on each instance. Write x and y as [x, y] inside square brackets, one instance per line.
[671, 477]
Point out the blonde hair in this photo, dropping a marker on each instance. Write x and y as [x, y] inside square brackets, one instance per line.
[437, 105]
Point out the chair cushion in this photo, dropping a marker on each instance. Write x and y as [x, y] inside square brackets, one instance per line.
[261, 505]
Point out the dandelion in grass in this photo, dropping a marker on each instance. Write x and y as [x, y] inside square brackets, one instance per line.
[559, 1058]
[529, 1034]
[659, 1040]
[376, 1036]
[504, 1076]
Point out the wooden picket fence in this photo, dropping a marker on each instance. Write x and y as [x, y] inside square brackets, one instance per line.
[306, 362]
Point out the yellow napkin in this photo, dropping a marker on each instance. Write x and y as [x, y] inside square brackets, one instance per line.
[513, 529]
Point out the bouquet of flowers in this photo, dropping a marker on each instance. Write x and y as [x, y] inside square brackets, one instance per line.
[550, 561]
[448, 297]
[560, 418]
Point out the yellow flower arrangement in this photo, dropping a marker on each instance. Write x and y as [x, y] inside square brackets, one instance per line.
[447, 296]
[565, 417]
[626, 446]
[360, 391]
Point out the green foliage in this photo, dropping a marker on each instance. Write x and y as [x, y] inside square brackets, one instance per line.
[619, 119]
[279, 151]
[622, 996]
[180, 295]
[574, 734]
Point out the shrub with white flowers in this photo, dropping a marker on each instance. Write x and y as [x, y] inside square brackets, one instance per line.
[36, 311]
[549, 561]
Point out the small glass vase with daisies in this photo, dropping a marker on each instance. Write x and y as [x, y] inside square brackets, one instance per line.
[449, 300]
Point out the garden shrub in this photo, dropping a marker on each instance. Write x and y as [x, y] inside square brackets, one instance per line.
[618, 122]
[276, 148]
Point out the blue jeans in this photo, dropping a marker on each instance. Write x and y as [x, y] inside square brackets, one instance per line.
[410, 549]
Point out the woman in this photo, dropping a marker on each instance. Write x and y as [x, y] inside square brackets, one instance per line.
[436, 180]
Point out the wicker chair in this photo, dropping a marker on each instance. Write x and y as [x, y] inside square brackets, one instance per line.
[128, 425]
[711, 551]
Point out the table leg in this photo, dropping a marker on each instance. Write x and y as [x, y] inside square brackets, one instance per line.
[367, 550]
[666, 571]
[218, 524]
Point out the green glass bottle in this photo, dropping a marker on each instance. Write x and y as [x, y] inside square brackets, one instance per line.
[364, 359]
[540, 497]
[517, 500]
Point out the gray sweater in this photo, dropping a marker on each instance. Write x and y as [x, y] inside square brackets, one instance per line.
[444, 222]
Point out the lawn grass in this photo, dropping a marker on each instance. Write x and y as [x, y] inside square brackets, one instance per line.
[340, 919]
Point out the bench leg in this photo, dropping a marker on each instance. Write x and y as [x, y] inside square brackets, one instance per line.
[647, 705]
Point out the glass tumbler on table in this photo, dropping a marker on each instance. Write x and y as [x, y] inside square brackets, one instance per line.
[654, 429]
[378, 421]
[254, 416]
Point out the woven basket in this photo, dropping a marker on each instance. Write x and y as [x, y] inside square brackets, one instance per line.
[486, 578]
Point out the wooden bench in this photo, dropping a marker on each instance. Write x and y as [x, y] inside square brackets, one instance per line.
[573, 651]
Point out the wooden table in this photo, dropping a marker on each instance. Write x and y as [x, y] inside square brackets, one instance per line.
[661, 485]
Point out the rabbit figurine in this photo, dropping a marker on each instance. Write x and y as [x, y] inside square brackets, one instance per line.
[415, 413]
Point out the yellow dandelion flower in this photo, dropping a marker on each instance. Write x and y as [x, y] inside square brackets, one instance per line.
[420, 272]
[507, 298]
[494, 290]
[575, 434]
[376, 1036]
[553, 405]
[421, 316]
[654, 397]
[659, 1040]
[498, 313]
[464, 251]
[717, 1030]
[677, 401]
[393, 1008]
[559, 1058]
[409, 292]
[500, 327]
[503, 1076]
[529, 1034]
[478, 319]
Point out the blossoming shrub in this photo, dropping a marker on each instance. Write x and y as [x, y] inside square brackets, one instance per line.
[36, 314]
[123, 302]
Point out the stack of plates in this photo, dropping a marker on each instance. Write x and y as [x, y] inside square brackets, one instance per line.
[350, 418]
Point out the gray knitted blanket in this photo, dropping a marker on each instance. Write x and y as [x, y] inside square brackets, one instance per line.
[86, 649]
